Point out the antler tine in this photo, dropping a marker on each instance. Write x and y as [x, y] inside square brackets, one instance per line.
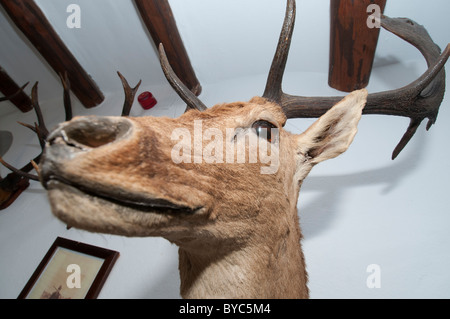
[10, 97]
[273, 90]
[129, 95]
[34, 100]
[41, 139]
[21, 172]
[42, 132]
[192, 101]
[37, 131]
[419, 100]
[67, 101]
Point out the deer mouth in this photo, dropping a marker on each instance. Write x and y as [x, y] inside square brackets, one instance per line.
[143, 204]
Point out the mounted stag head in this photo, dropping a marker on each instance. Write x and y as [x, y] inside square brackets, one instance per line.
[237, 228]
[196, 181]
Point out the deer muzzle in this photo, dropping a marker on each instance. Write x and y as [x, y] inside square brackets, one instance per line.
[76, 138]
[93, 137]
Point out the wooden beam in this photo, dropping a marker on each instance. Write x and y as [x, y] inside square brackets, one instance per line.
[8, 87]
[352, 43]
[158, 18]
[32, 22]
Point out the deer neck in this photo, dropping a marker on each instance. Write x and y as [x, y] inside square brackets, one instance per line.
[270, 265]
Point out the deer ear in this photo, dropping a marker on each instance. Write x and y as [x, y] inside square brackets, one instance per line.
[334, 131]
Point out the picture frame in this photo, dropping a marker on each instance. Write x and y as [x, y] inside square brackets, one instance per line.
[70, 270]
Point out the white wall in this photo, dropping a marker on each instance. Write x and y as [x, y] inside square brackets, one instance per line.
[359, 209]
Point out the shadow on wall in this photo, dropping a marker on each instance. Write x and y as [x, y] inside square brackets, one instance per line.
[319, 214]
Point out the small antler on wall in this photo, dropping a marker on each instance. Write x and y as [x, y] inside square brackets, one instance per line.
[14, 183]
[18, 180]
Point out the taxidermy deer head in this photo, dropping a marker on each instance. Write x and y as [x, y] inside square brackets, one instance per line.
[222, 183]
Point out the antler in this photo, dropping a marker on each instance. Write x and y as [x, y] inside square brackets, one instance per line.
[66, 93]
[273, 90]
[18, 180]
[12, 96]
[42, 132]
[129, 94]
[192, 101]
[13, 184]
[419, 100]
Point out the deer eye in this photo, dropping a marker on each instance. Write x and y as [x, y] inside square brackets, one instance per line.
[263, 129]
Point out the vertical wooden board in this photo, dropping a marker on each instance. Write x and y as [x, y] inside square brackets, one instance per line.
[352, 43]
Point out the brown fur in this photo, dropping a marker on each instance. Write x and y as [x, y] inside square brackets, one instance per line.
[243, 238]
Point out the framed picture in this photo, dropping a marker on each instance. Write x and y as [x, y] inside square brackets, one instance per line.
[70, 270]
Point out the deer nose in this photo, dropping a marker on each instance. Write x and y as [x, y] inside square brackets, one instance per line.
[86, 133]
[79, 136]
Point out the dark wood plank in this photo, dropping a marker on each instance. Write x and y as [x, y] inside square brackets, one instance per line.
[35, 26]
[159, 20]
[352, 44]
[9, 88]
